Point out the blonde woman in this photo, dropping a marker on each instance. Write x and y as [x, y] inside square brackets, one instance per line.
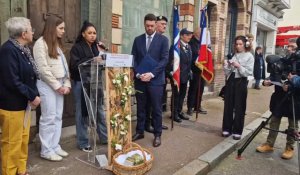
[54, 84]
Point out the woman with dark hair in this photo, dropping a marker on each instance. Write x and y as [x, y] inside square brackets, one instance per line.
[237, 69]
[54, 84]
[18, 94]
[86, 48]
[259, 67]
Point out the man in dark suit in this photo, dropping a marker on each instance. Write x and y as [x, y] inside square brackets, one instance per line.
[161, 25]
[194, 99]
[185, 73]
[150, 51]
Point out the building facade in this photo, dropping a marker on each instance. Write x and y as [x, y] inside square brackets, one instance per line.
[266, 14]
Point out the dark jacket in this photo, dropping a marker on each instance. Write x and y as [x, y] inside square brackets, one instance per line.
[80, 53]
[257, 71]
[184, 64]
[18, 80]
[195, 45]
[158, 50]
[281, 101]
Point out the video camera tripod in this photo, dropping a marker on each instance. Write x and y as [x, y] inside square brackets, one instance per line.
[291, 132]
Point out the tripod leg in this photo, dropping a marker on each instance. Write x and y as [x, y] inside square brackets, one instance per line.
[252, 136]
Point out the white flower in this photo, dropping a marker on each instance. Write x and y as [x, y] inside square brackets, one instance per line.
[116, 115]
[127, 117]
[124, 94]
[114, 81]
[125, 78]
[118, 82]
[122, 132]
[118, 147]
[122, 127]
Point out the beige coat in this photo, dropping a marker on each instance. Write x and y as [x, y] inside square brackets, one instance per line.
[50, 69]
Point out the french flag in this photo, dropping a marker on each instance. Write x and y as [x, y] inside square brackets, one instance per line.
[204, 60]
[176, 46]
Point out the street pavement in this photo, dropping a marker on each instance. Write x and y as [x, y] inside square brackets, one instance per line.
[255, 163]
[180, 147]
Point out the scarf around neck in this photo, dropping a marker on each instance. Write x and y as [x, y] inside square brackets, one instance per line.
[27, 52]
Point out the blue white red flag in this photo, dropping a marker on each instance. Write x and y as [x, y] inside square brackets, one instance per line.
[204, 60]
[176, 47]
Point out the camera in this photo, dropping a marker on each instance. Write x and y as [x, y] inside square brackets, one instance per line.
[282, 66]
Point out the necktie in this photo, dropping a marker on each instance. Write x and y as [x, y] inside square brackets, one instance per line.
[148, 42]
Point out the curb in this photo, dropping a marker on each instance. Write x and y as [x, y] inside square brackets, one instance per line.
[207, 161]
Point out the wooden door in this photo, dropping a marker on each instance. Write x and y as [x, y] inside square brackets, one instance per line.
[70, 11]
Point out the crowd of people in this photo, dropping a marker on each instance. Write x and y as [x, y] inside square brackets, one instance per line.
[44, 78]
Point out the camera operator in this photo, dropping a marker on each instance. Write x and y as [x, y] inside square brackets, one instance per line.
[295, 79]
[281, 108]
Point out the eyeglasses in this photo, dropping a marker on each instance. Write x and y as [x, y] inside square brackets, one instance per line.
[32, 30]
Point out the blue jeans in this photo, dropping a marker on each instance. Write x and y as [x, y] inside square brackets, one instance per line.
[257, 82]
[82, 123]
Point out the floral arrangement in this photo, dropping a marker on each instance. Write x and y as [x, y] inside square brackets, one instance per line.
[121, 117]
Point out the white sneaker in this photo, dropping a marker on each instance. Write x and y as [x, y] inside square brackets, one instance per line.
[53, 157]
[62, 153]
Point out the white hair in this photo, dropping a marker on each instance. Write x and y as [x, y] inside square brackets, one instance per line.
[17, 25]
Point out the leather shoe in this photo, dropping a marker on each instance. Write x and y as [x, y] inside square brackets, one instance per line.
[156, 141]
[202, 111]
[137, 137]
[149, 129]
[177, 119]
[183, 117]
[189, 111]
[164, 127]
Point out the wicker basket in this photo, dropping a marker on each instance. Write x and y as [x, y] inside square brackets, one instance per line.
[132, 170]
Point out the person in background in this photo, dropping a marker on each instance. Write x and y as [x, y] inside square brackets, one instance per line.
[281, 105]
[259, 67]
[161, 26]
[85, 48]
[53, 85]
[193, 95]
[185, 70]
[250, 38]
[237, 69]
[18, 95]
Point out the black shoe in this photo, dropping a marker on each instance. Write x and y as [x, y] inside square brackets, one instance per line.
[164, 127]
[189, 111]
[202, 111]
[157, 141]
[177, 119]
[183, 117]
[149, 129]
[137, 137]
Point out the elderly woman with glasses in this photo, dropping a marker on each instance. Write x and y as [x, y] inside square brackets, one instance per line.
[18, 94]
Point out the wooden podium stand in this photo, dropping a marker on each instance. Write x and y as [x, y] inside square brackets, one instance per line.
[118, 87]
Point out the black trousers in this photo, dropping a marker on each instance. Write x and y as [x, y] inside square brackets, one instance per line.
[193, 95]
[235, 105]
[178, 98]
[154, 95]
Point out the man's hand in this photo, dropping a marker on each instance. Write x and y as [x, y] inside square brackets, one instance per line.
[267, 83]
[285, 87]
[146, 77]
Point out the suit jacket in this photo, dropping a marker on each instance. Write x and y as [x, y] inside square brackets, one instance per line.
[158, 50]
[17, 79]
[195, 45]
[185, 63]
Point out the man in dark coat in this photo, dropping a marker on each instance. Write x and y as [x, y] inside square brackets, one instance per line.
[259, 67]
[194, 99]
[281, 105]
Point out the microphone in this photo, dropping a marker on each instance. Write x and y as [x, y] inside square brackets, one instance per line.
[102, 46]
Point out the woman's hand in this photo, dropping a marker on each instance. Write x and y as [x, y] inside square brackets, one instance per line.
[60, 90]
[236, 64]
[35, 102]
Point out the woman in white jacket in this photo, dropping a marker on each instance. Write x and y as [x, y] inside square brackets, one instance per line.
[54, 84]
